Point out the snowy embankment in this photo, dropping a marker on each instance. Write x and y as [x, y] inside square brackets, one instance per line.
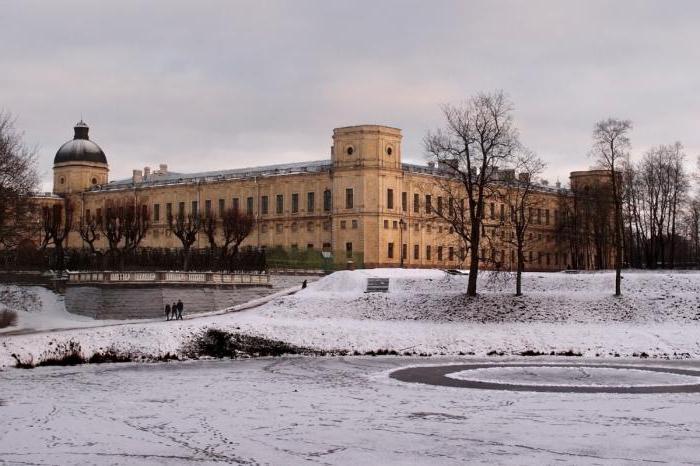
[425, 311]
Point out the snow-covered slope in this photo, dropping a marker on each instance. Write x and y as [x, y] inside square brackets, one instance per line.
[425, 311]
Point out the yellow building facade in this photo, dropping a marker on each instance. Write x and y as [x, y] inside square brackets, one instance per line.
[363, 204]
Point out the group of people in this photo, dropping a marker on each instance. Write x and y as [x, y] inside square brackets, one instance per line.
[174, 312]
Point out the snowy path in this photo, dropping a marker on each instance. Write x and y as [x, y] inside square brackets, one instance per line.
[325, 411]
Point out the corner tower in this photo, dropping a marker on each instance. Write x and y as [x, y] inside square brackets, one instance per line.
[371, 146]
[79, 163]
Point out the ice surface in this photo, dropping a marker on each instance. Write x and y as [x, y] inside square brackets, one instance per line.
[291, 411]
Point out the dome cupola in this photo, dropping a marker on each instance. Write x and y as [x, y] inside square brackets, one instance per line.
[79, 164]
[80, 148]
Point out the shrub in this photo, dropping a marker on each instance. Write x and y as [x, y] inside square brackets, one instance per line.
[219, 344]
[8, 318]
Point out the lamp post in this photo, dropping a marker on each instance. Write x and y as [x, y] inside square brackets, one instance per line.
[401, 225]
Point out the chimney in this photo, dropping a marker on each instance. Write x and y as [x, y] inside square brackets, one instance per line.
[163, 169]
[137, 177]
[146, 172]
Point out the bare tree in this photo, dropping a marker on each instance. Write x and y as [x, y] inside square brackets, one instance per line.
[478, 136]
[186, 228]
[520, 197]
[236, 227]
[89, 232]
[610, 146]
[136, 222]
[210, 226]
[18, 178]
[57, 222]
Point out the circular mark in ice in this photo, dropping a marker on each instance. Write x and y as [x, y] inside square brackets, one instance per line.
[579, 378]
[574, 376]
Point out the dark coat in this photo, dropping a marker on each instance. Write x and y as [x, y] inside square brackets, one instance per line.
[167, 308]
[180, 306]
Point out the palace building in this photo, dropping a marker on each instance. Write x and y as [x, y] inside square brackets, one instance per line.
[362, 204]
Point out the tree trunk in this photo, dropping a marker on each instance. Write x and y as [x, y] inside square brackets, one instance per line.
[474, 261]
[519, 272]
[186, 259]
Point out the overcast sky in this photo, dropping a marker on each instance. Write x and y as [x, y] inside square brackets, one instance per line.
[215, 85]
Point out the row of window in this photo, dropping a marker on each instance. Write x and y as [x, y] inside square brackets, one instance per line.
[279, 227]
[541, 258]
[537, 215]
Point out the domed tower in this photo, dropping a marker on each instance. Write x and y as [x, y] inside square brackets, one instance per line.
[79, 163]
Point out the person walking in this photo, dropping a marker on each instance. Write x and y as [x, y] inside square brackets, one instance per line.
[180, 307]
[303, 284]
[167, 312]
[173, 311]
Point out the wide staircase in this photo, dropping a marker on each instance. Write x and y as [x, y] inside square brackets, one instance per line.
[377, 285]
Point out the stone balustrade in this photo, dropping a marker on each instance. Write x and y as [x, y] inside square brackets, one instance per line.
[168, 278]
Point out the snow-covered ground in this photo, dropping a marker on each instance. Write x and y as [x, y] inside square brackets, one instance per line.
[425, 311]
[291, 411]
[40, 309]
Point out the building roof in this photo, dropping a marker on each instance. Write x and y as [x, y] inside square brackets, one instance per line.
[80, 148]
[173, 178]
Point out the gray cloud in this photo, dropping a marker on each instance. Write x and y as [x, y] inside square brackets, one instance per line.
[228, 84]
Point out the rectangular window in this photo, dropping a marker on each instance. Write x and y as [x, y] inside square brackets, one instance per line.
[450, 208]
[235, 205]
[348, 198]
[428, 206]
[265, 205]
[546, 216]
[295, 203]
[181, 209]
[348, 250]
[492, 211]
[416, 252]
[343, 224]
[309, 246]
[404, 201]
[195, 208]
[427, 253]
[222, 207]
[280, 203]
[451, 253]
[502, 214]
[156, 213]
[327, 200]
[416, 203]
[389, 198]
[354, 224]
[539, 216]
[87, 215]
[395, 225]
[168, 210]
[310, 226]
[386, 224]
[310, 201]
[404, 251]
[207, 207]
[439, 253]
[439, 205]
[249, 205]
[99, 216]
[390, 250]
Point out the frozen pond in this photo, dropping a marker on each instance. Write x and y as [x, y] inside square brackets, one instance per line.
[334, 411]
